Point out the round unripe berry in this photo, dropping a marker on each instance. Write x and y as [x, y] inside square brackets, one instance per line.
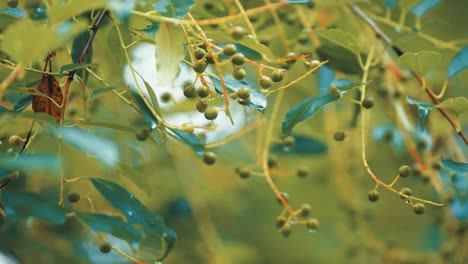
[187, 127]
[312, 224]
[14, 140]
[189, 91]
[419, 208]
[245, 101]
[201, 106]
[203, 91]
[237, 32]
[265, 82]
[406, 192]
[368, 102]
[302, 172]
[238, 59]
[12, 3]
[305, 210]
[243, 93]
[272, 161]
[211, 113]
[142, 134]
[373, 196]
[239, 73]
[404, 171]
[200, 66]
[209, 58]
[289, 141]
[209, 158]
[314, 63]
[105, 248]
[280, 221]
[286, 230]
[339, 135]
[436, 165]
[244, 172]
[277, 76]
[199, 53]
[230, 49]
[166, 97]
[73, 197]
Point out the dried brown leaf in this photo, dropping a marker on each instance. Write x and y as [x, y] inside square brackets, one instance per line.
[42, 104]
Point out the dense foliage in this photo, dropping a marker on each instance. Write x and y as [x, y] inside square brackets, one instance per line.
[251, 131]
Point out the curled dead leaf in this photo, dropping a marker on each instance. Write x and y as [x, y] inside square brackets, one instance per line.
[48, 86]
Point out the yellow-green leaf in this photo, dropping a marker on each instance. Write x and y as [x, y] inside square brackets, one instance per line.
[339, 37]
[420, 62]
[58, 13]
[456, 107]
[170, 40]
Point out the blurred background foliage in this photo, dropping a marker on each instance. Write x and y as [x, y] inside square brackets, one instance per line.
[217, 216]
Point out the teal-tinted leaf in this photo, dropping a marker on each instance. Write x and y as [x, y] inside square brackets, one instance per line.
[424, 6]
[224, 37]
[113, 225]
[390, 3]
[459, 63]
[420, 62]
[340, 58]
[145, 110]
[9, 16]
[191, 140]
[65, 69]
[150, 29]
[103, 149]
[458, 167]
[325, 76]
[122, 8]
[389, 133]
[304, 145]
[257, 99]
[173, 8]
[340, 38]
[137, 214]
[79, 43]
[299, 1]
[424, 110]
[170, 41]
[344, 85]
[459, 208]
[21, 205]
[23, 102]
[305, 110]
[407, 4]
[96, 91]
[36, 162]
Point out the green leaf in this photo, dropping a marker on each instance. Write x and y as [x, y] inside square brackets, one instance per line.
[9, 16]
[113, 126]
[305, 110]
[170, 41]
[246, 51]
[104, 150]
[79, 43]
[340, 38]
[304, 145]
[344, 85]
[257, 99]
[390, 3]
[458, 167]
[340, 59]
[455, 106]
[100, 90]
[459, 63]
[116, 50]
[21, 205]
[407, 4]
[35, 162]
[113, 225]
[137, 214]
[224, 37]
[420, 62]
[144, 109]
[191, 140]
[62, 12]
[20, 105]
[122, 8]
[173, 8]
[65, 69]
[424, 109]
[424, 6]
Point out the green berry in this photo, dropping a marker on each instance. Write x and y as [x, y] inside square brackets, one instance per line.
[436, 165]
[189, 91]
[230, 49]
[199, 53]
[166, 97]
[272, 161]
[203, 91]
[105, 248]
[404, 171]
[73, 197]
[302, 172]
[373, 196]
[238, 73]
[277, 76]
[314, 63]
[209, 158]
[243, 93]
[291, 55]
[244, 172]
[12, 3]
[14, 140]
[200, 66]
[312, 224]
[142, 134]
[289, 141]
[303, 38]
[368, 103]
[209, 59]
[211, 113]
[340, 135]
[286, 230]
[265, 82]
[187, 127]
[245, 101]
[238, 59]
[419, 208]
[406, 192]
[237, 32]
[280, 221]
[305, 210]
[201, 106]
